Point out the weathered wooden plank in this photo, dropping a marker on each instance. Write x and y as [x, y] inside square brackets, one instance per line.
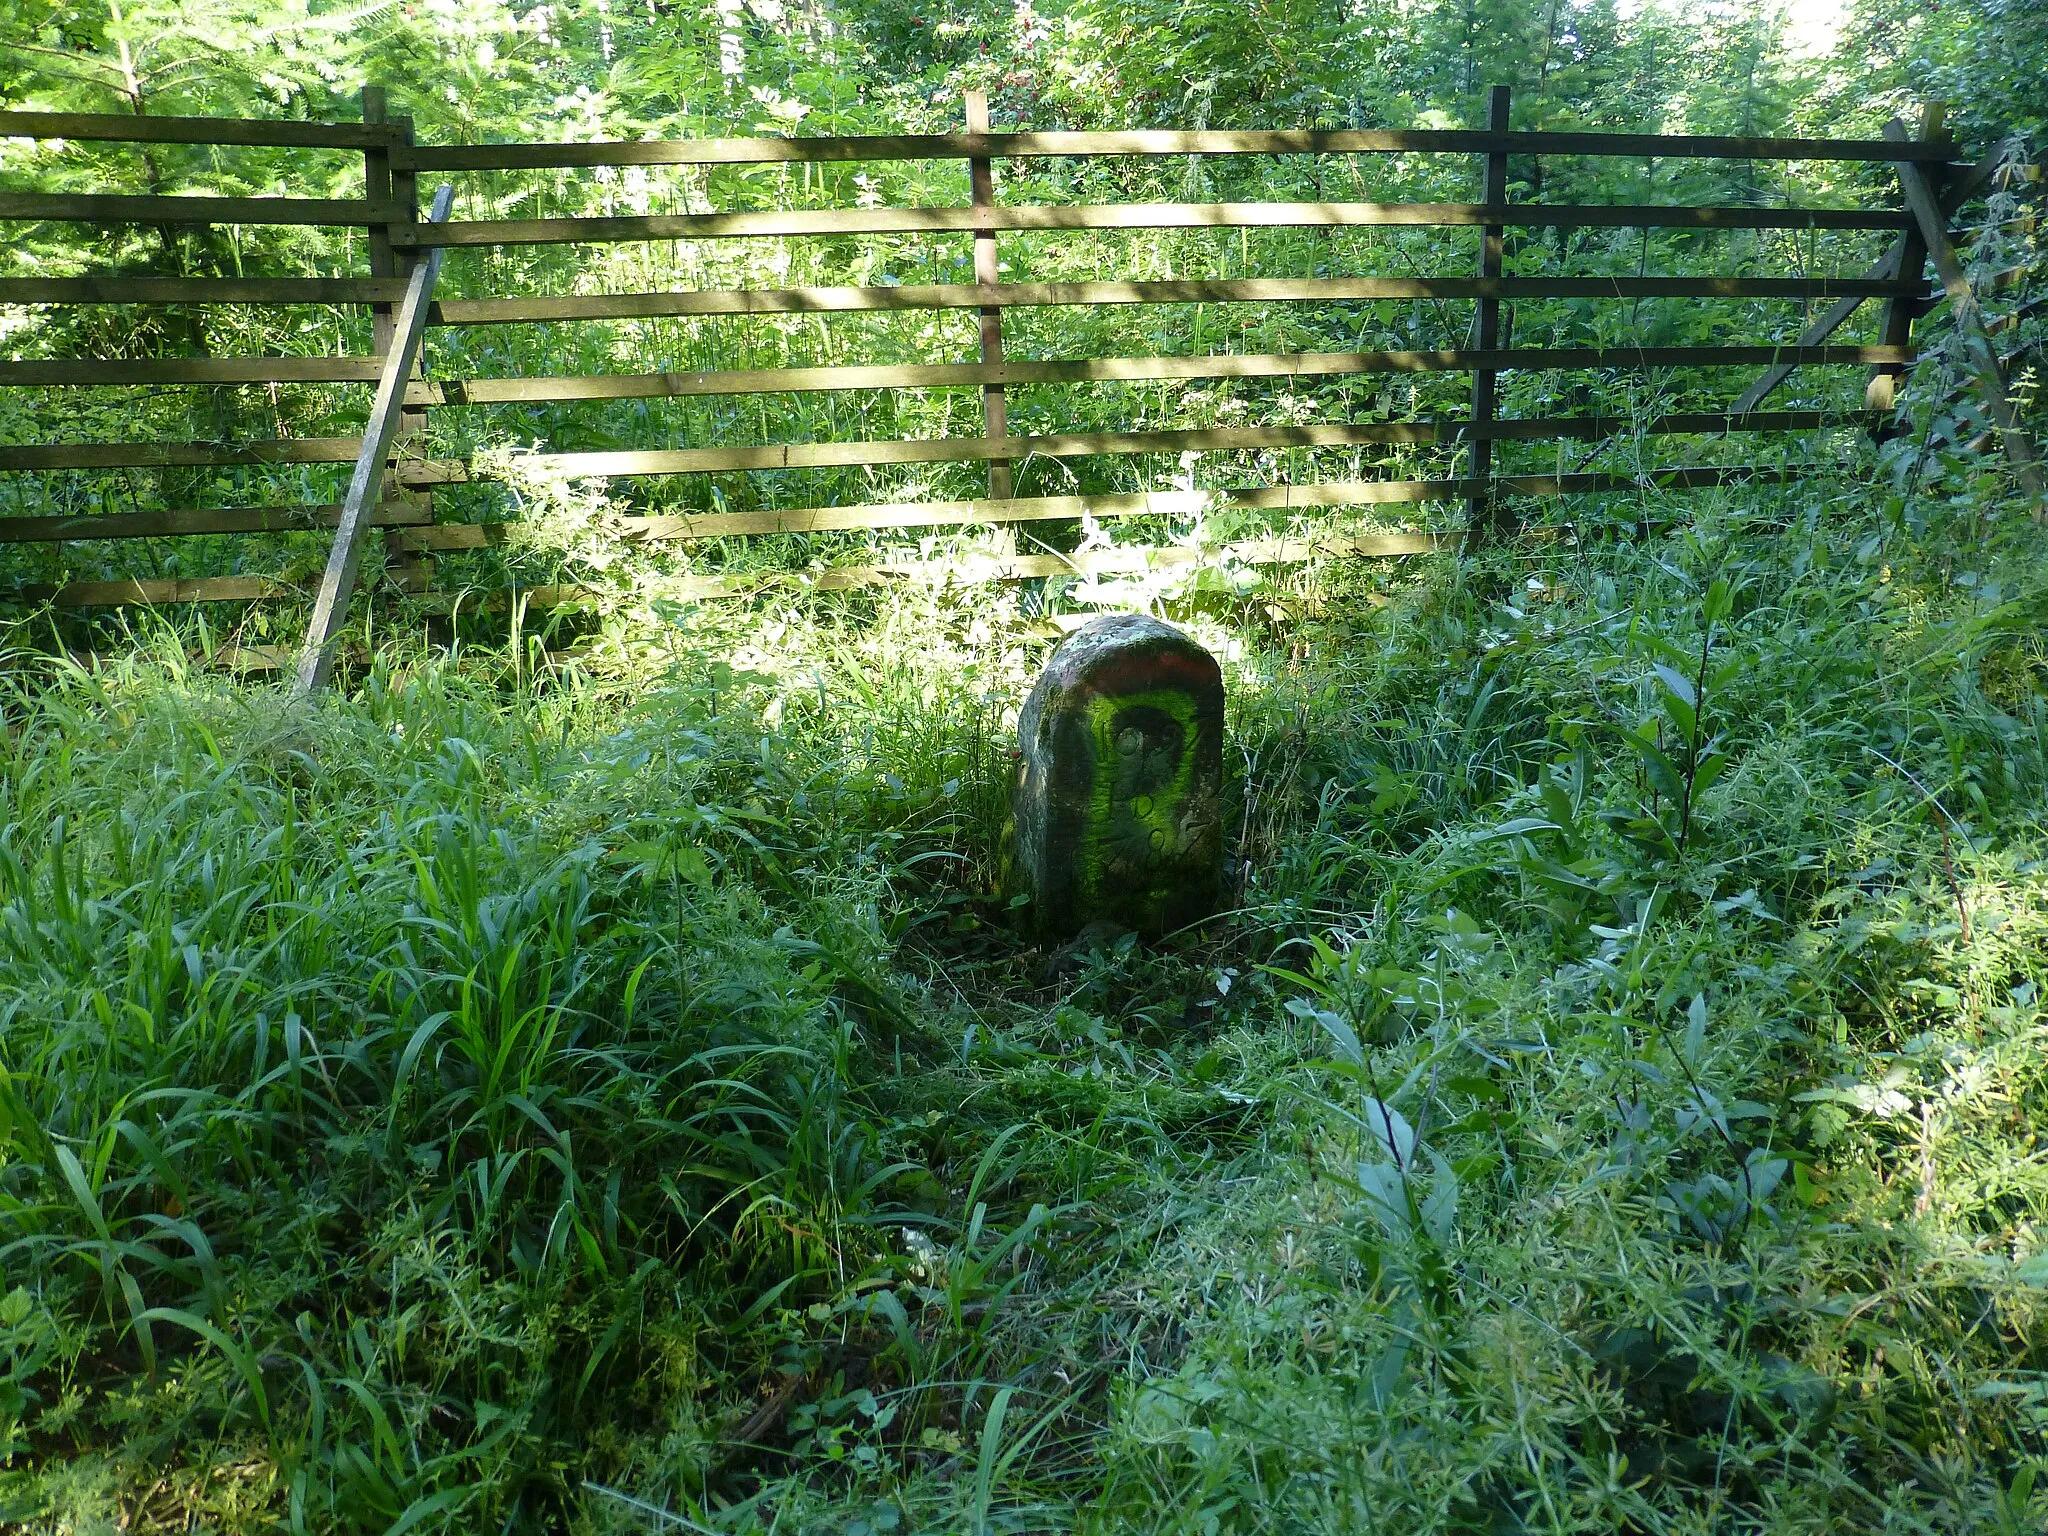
[508, 157]
[378, 187]
[1885, 268]
[1128, 560]
[774, 301]
[112, 127]
[1896, 327]
[402, 563]
[649, 386]
[857, 221]
[1702, 478]
[1481, 512]
[1000, 146]
[1255, 290]
[187, 522]
[102, 209]
[200, 290]
[188, 370]
[252, 658]
[1925, 202]
[423, 474]
[1285, 551]
[1682, 423]
[988, 274]
[1025, 509]
[2017, 315]
[303, 450]
[232, 658]
[952, 450]
[1898, 274]
[1265, 551]
[337, 583]
[340, 450]
[151, 591]
[454, 536]
[2007, 277]
[1986, 174]
[777, 456]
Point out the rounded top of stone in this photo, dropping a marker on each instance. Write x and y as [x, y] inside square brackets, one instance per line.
[1115, 633]
[1118, 654]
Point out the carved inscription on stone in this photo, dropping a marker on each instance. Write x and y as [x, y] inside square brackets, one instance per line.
[1118, 803]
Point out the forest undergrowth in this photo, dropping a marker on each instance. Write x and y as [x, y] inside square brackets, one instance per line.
[609, 1096]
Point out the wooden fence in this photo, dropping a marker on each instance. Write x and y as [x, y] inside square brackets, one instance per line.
[397, 238]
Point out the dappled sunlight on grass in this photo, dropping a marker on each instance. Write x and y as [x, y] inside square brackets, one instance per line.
[609, 1082]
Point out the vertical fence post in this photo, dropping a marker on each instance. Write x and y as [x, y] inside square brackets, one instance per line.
[383, 185]
[377, 189]
[1896, 330]
[1482, 513]
[409, 563]
[365, 486]
[994, 409]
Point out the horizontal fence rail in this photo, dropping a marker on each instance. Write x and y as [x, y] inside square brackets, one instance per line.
[803, 301]
[879, 221]
[112, 127]
[1251, 290]
[1092, 370]
[1028, 509]
[773, 456]
[399, 239]
[1150, 143]
[200, 290]
[1101, 370]
[97, 209]
[295, 450]
[1012, 511]
[189, 522]
[777, 456]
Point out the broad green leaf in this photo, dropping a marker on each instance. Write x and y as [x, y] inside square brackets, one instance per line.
[1685, 723]
[1658, 768]
[1391, 1130]
[1521, 826]
[1678, 684]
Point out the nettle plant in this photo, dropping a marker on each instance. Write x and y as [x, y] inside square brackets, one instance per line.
[1679, 752]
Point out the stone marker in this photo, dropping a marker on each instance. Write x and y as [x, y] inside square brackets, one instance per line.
[1118, 806]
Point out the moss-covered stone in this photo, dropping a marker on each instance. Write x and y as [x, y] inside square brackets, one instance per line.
[1119, 793]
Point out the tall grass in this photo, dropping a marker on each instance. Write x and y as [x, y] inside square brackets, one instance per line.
[541, 1014]
[606, 1095]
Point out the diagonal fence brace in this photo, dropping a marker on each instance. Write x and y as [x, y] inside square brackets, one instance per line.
[337, 583]
[1969, 317]
[1892, 265]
